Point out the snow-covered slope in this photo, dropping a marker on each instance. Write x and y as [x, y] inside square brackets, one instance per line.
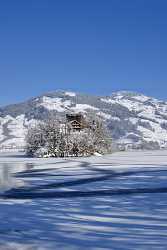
[135, 120]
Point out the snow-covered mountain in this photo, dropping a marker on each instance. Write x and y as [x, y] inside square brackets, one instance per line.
[135, 120]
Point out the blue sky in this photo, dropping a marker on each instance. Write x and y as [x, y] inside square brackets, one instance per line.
[92, 46]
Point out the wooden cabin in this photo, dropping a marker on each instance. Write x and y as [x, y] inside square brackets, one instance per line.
[75, 121]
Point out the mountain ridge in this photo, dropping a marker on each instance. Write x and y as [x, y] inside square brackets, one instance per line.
[133, 119]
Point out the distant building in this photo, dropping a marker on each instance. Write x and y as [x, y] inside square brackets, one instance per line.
[76, 122]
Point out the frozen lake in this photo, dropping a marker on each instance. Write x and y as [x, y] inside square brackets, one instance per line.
[111, 202]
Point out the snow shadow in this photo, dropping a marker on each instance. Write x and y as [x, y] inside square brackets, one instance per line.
[78, 205]
[51, 181]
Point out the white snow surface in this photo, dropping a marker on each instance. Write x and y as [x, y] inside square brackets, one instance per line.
[105, 115]
[83, 107]
[83, 222]
[69, 93]
[55, 103]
